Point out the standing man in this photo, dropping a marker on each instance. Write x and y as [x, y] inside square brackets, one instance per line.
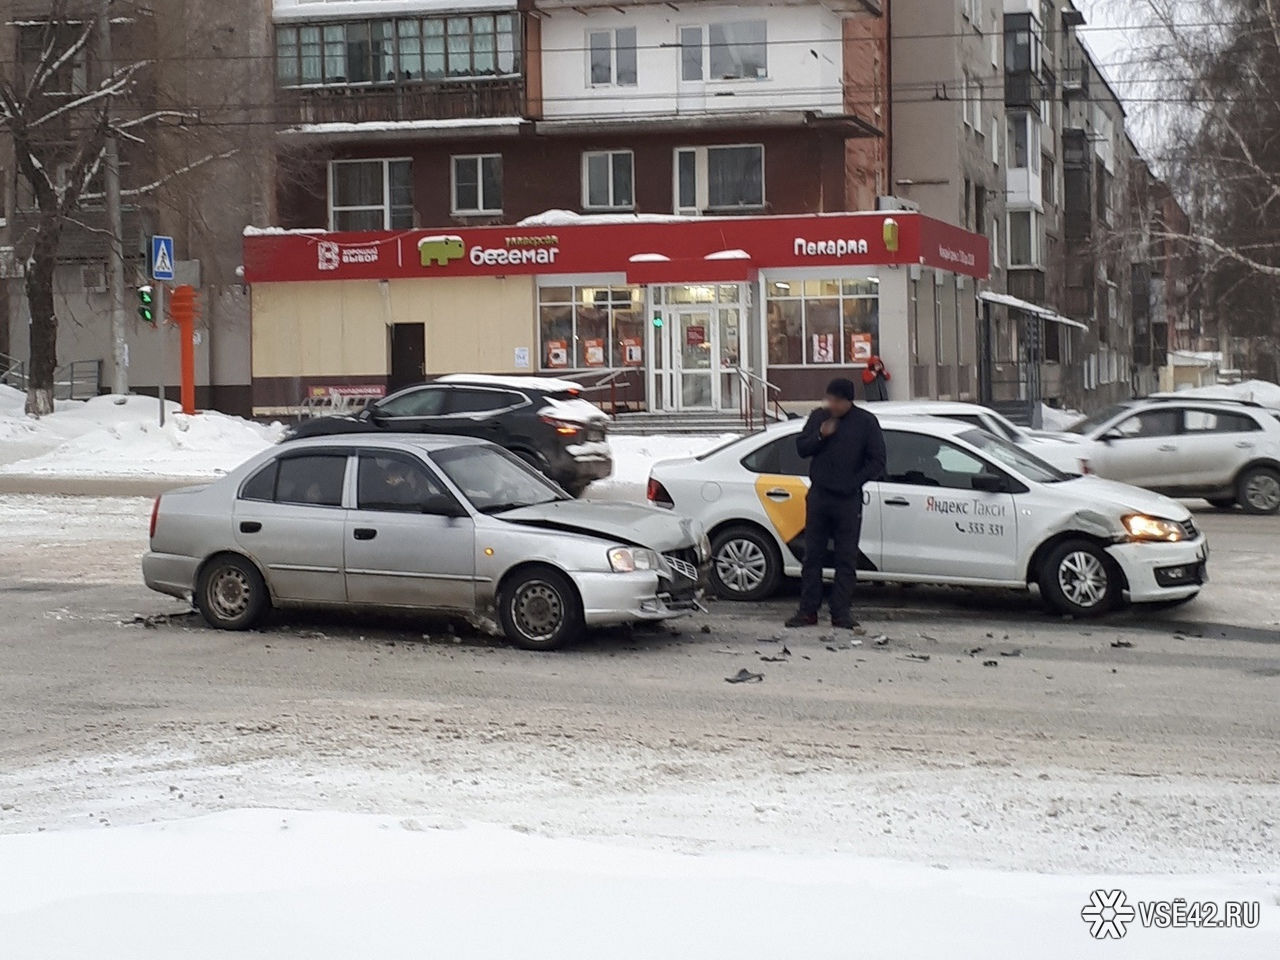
[847, 450]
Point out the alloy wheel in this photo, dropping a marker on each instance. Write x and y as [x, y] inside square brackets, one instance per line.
[741, 565]
[1083, 579]
[1262, 491]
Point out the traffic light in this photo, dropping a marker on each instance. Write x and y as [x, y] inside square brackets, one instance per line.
[146, 304]
[182, 306]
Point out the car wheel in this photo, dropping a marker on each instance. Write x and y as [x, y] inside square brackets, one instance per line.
[1077, 578]
[1258, 490]
[1223, 504]
[231, 594]
[540, 610]
[745, 564]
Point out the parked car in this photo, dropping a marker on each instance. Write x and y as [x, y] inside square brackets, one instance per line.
[544, 422]
[974, 414]
[1225, 451]
[956, 505]
[443, 524]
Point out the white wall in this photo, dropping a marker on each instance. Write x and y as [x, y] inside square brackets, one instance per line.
[804, 57]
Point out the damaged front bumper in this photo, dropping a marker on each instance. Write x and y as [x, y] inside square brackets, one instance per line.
[629, 597]
[1162, 571]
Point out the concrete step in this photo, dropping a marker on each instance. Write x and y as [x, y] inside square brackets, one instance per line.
[649, 424]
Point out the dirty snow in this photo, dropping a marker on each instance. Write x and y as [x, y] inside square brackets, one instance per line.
[1255, 391]
[332, 885]
[516, 381]
[114, 436]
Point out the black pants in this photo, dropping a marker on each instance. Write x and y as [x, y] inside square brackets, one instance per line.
[830, 517]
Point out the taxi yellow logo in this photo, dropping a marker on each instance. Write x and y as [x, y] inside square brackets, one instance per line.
[441, 250]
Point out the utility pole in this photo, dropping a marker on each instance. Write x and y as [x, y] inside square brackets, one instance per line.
[115, 225]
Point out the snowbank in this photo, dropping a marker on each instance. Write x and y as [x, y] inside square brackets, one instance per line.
[332, 885]
[1058, 421]
[113, 436]
[1257, 391]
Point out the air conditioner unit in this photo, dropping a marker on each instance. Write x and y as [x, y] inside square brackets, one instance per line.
[93, 277]
[10, 265]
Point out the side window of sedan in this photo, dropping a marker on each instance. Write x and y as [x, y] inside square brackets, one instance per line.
[396, 484]
[1217, 421]
[779, 457]
[427, 402]
[481, 401]
[924, 461]
[314, 480]
[1149, 423]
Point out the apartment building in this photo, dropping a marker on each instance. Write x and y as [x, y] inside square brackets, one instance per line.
[948, 161]
[627, 189]
[213, 63]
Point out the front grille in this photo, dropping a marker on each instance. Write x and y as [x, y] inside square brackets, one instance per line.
[682, 566]
[1189, 529]
[595, 433]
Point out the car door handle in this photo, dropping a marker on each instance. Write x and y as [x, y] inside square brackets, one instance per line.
[364, 533]
[1167, 448]
[250, 526]
[777, 494]
[897, 502]
[1244, 445]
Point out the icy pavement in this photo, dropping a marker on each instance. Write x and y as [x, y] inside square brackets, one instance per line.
[272, 883]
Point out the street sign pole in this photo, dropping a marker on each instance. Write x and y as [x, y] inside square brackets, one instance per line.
[160, 324]
[162, 256]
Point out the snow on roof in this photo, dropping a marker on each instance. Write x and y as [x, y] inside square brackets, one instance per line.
[567, 218]
[306, 9]
[399, 126]
[728, 255]
[518, 382]
[277, 231]
[439, 238]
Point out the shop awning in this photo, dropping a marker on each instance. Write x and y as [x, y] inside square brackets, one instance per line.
[1044, 313]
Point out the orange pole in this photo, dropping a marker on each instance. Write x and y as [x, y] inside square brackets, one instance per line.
[187, 332]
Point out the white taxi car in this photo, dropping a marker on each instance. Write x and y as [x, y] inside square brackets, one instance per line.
[957, 505]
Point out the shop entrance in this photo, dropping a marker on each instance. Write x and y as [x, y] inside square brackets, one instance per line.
[696, 345]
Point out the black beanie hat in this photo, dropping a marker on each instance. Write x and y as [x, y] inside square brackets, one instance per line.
[842, 387]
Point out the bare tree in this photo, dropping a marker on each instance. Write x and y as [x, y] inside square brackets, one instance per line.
[61, 106]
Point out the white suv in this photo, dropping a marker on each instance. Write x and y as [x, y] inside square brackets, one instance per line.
[1225, 451]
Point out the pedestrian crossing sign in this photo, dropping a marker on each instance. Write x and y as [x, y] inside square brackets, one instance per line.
[161, 258]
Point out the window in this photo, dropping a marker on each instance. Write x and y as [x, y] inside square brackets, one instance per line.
[482, 401]
[724, 51]
[587, 327]
[719, 178]
[370, 195]
[1214, 421]
[404, 50]
[924, 461]
[493, 479]
[395, 484]
[822, 322]
[426, 402]
[70, 77]
[611, 57]
[1021, 45]
[262, 485]
[1024, 140]
[1026, 240]
[607, 180]
[314, 480]
[477, 184]
[1149, 423]
[779, 457]
[1048, 181]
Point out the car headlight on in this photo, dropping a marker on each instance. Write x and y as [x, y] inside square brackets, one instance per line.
[631, 559]
[1141, 527]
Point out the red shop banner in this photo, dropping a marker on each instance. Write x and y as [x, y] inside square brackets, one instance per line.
[716, 246]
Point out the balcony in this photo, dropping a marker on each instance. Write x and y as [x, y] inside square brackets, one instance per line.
[1023, 89]
[475, 99]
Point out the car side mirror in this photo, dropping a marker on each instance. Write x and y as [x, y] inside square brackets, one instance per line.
[1111, 435]
[375, 415]
[989, 483]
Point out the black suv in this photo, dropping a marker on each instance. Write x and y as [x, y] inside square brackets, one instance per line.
[545, 423]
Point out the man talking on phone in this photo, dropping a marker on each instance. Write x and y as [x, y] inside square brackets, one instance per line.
[846, 449]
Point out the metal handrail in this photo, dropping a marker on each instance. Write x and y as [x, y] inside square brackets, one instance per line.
[611, 381]
[746, 398]
[13, 373]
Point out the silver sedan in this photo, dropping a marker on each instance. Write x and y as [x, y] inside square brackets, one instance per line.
[442, 524]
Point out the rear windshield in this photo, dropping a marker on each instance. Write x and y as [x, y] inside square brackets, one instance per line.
[733, 441]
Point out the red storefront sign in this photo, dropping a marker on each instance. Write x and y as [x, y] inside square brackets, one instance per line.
[655, 252]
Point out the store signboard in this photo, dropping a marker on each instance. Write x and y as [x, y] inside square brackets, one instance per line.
[740, 243]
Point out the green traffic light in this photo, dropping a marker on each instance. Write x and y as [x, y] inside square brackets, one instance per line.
[146, 297]
[657, 320]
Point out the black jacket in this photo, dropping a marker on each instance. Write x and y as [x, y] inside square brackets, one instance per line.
[847, 459]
